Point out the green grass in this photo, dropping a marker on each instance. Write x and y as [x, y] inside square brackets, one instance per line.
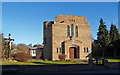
[38, 62]
[113, 60]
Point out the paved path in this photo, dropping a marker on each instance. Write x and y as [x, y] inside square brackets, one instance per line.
[82, 72]
[59, 70]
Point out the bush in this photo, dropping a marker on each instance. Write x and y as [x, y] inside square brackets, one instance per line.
[21, 56]
[13, 55]
[62, 57]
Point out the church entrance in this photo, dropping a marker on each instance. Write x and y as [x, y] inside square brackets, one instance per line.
[73, 52]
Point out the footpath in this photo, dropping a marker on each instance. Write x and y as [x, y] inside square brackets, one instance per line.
[60, 68]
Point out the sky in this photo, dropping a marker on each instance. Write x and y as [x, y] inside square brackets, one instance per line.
[24, 20]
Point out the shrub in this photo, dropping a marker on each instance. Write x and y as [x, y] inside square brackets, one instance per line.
[13, 55]
[68, 60]
[62, 57]
[21, 56]
[46, 60]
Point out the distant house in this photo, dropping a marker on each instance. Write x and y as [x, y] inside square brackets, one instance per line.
[33, 51]
[36, 52]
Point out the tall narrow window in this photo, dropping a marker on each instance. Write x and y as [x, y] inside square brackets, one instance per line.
[87, 49]
[60, 50]
[72, 31]
[63, 47]
[68, 30]
[76, 31]
[57, 50]
[84, 50]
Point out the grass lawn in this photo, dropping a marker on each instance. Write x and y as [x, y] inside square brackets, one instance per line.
[109, 60]
[113, 60]
[38, 62]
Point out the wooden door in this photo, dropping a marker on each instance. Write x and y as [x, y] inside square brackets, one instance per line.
[71, 52]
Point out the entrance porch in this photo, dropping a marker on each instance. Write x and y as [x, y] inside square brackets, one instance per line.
[73, 53]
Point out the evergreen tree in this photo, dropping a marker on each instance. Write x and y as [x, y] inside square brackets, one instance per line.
[114, 34]
[114, 37]
[103, 35]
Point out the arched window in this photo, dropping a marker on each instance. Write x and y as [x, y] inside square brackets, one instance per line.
[76, 31]
[68, 30]
[72, 31]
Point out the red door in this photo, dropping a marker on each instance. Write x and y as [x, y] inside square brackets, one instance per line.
[71, 51]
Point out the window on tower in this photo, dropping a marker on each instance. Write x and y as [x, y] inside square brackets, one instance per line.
[57, 50]
[72, 31]
[68, 30]
[76, 30]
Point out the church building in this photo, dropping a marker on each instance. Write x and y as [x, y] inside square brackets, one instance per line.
[69, 35]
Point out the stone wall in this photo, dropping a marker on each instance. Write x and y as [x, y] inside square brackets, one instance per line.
[47, 49]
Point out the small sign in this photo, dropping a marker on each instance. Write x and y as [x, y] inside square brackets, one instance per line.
[73, 42]
[89, 49]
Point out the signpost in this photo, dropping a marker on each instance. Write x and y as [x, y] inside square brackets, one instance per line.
[9, 42]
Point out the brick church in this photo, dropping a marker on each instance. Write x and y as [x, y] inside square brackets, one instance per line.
[69, 35]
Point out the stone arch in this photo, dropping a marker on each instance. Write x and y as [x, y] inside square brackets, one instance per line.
[78, 45]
